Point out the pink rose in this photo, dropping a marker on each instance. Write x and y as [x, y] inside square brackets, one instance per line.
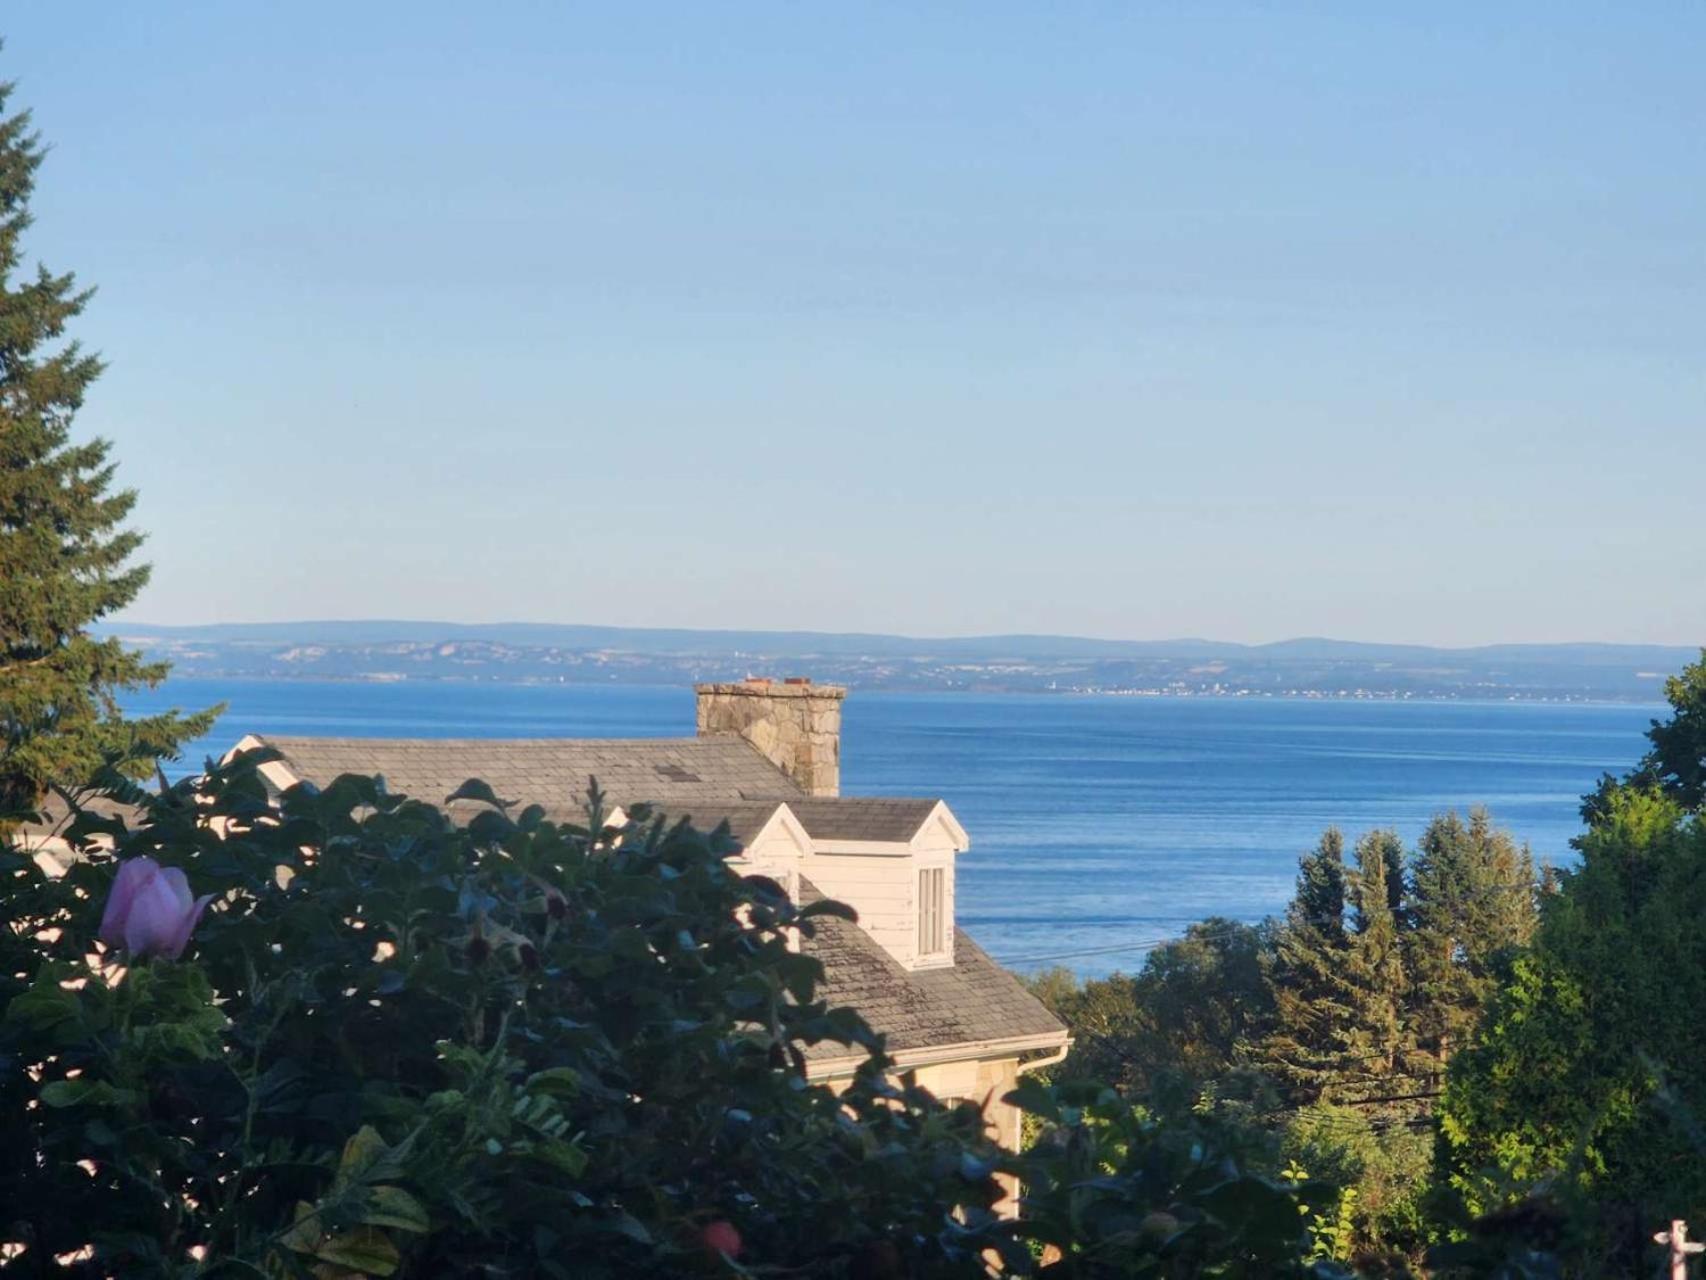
[150, 911]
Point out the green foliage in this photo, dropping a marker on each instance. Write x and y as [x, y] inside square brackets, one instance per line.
[1593, 1030]
[1383, 1162]
[1307, 976]
[65, 559]
[1111, 1192]
[400, 1047]
[1327, 1031]
[1676, 762]
[1678, 757]
[1472, 906]
[1173, 1030]
[1376, 977]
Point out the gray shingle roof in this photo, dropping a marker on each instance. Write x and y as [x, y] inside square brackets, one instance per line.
[745, 819]
[56, 815]
[696, 777]
[862, 818]
[975, 1000]
[709, 779]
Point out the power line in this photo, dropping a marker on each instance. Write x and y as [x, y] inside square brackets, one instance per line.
[1152, 944]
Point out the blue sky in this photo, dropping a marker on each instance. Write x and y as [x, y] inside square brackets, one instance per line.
[1246, 321]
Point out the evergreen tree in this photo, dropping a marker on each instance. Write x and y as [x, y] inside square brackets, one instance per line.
[1377, 986]
[1306, 974]
[65, 558]
[1472, 904]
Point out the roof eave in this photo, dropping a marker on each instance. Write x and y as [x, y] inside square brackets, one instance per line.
[937, 1055]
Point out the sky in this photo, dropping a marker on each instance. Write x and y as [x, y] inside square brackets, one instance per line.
[1383, 322]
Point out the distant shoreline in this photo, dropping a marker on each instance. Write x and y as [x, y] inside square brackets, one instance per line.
[1223, 695]
[534, 654]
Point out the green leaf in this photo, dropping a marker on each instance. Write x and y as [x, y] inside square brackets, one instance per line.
[394, 1207]
[362, 1153]
[1035, 1097]
[474, 789]
[556, 1082]
[560, 1155]
[829, 907]
[83, 1092]
[490, 826]
[47, 1009]
[365, 1249]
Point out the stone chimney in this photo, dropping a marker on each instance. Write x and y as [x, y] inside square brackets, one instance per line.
[795, 724]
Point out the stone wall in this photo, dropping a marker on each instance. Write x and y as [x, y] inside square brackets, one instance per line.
[794, 723]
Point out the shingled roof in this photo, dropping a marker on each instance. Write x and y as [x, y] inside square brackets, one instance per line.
[928, 1013]
[682, 775]
[707, 779]
[975, 1001]
[862, 818]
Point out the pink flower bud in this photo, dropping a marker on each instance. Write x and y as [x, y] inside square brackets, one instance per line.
[150, 911]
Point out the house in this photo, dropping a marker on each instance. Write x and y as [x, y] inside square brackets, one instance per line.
[766, 759]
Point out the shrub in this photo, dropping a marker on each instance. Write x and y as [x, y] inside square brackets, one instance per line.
[397, 1046]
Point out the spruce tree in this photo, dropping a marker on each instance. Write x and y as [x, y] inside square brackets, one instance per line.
[65, 557]
[1377, 986]
[1472, 905]
[1306, 973]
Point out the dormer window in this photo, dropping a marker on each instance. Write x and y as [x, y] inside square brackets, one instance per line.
[932, 911]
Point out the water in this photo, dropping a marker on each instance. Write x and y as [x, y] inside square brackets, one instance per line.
[1095, 822]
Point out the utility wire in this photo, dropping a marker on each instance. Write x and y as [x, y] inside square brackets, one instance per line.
[1152, 944]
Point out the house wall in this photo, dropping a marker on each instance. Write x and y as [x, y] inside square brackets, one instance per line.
[775, 854]
[986, 1082]
[879, 888]
[883, 889]
[880, 881]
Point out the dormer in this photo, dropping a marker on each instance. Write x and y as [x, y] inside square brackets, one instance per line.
[892, 861]
[773, 843]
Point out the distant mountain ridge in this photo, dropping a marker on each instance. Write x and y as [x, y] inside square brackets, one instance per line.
[562, 652]
[686, 640]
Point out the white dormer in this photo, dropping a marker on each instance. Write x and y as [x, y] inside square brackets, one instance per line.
[773, 844]
[892, 861]
[275, 773]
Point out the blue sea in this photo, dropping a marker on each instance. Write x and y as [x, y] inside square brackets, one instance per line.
[1098, 825]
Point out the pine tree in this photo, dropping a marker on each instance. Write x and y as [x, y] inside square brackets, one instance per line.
[65, 559]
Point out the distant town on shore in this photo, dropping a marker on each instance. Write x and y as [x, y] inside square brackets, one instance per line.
[569, 654]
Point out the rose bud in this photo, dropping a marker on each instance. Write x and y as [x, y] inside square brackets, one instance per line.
[150, 911]
[720, 1237]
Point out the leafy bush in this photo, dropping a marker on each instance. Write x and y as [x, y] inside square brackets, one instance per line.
[1112, 1192]
[396, 1046]
[1588, 1063]
[1382, 1161]
[399, 1046]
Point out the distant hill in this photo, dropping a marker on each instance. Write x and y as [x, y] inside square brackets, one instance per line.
[533, 652]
